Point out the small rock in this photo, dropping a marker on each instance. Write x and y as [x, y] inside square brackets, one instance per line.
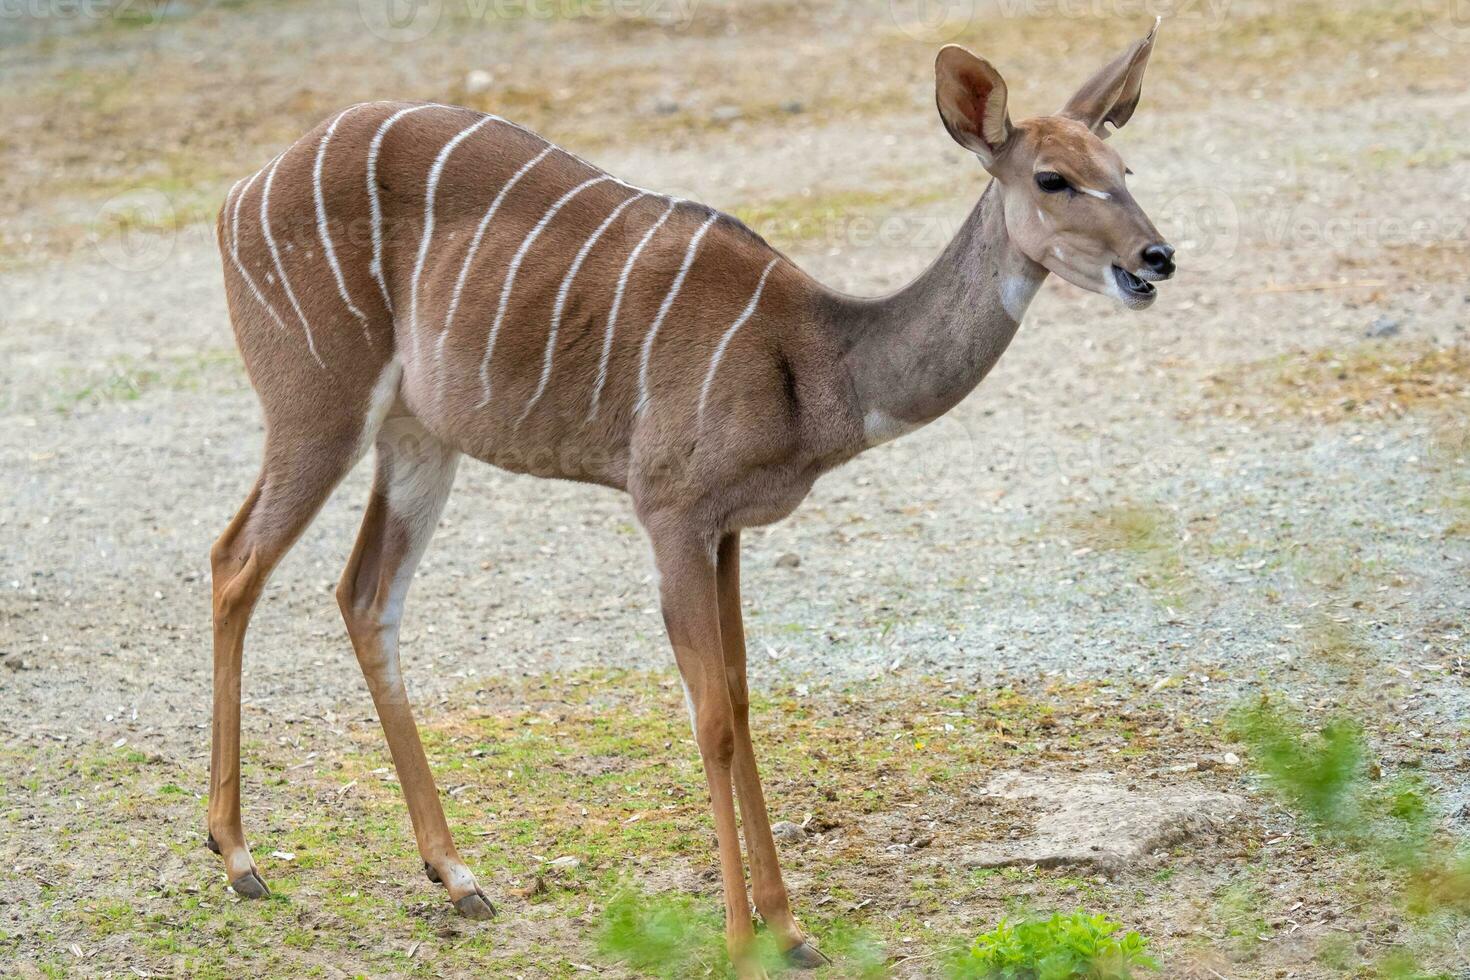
[1230, 759]
[566, 863]
[1383, 326]
[726, 113]
[665, 107]
[1095, 820]
[789, 560]
[477, 81]
[787, 832]
[536, 887]
[794, 106]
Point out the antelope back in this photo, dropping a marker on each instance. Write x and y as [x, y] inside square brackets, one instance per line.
[529, 308]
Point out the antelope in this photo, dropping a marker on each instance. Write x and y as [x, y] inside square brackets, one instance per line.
[432, 282]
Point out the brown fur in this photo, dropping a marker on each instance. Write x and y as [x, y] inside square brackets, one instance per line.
[810, 379]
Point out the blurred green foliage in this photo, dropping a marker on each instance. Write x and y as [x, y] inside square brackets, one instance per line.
[1330, 778]
[1063, 946]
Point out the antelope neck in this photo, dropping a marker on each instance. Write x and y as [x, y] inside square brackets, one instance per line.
[914, 354]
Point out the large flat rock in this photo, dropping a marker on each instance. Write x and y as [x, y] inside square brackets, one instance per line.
[1099, 820]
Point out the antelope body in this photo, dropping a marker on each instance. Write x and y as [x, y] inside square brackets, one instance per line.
[434, 282]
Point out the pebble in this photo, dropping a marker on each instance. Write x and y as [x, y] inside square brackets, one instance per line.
[787, 832]
[477, 81]
[1383, 326]
[789, 560]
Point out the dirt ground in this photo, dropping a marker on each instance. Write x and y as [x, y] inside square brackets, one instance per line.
[1137, 522]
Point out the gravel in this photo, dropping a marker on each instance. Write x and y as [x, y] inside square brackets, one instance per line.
[966, 550]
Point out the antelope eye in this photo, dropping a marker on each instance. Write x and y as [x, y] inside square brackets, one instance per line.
[1051, 182]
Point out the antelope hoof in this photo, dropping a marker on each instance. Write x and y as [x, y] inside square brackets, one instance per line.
[805, 956]
[431, 874]
[250, 885]
[475, 906]
[751, 971]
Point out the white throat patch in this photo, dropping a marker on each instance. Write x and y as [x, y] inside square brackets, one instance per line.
[880, 427]
[1016, 292]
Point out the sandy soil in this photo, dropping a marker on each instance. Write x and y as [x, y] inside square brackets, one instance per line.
[1238, 490]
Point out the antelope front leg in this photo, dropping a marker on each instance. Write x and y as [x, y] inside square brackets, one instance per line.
[766, 885]
[413, 477]
[691, 615]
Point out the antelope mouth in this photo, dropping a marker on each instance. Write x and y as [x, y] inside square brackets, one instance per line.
[1133, 291]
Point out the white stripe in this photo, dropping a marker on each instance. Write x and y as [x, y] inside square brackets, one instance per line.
[270, 242]
[430, 190]
[469, 256]
[568, 153]
[510, 279]
[714, 361]
[1104, 195]
[612, 316]
[226, 210]
[663, 310]
[324, 231]
[561, 300]
[235, 252]
[375, 206]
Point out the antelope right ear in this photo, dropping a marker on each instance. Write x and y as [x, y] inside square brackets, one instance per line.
[1112, 94]
[972, 102]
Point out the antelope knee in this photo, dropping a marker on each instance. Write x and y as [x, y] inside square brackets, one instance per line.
[716, 739]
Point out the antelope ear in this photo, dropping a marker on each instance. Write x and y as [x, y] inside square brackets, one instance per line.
[1112, 94]
[972, 102]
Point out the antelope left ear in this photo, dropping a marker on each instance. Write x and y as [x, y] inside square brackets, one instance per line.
[972, 102]
[1112, 94]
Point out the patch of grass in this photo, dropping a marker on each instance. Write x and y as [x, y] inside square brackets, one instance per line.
[1335, 641]
[596, 766]
[852, 217]
[1391, 826]
[1450, 444]
[672, 936]
[1370, 380]
[126, 379]
[1457, 507]
[1072, 945]
[1150, 535]
[1325, 775]
[1238, 909]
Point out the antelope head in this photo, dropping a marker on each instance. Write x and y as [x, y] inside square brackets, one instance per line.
[1063, 189]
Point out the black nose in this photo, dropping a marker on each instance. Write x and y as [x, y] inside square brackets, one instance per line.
[1160, 258]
